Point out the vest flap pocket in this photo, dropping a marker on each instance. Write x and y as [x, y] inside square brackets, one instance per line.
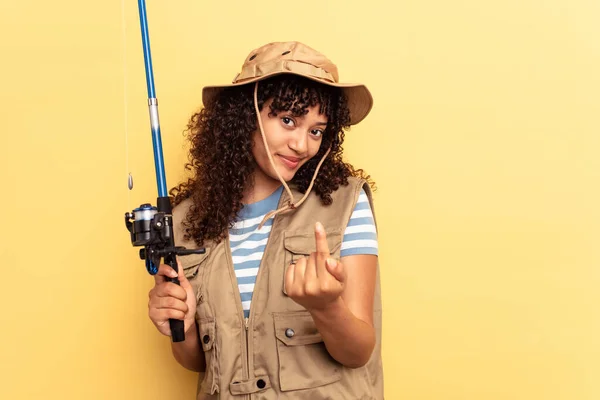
[304, 242]
[303, 359]
[296, 329]
[191, 263]
[208, 339]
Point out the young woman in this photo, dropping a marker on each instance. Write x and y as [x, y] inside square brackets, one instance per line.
[285, 302]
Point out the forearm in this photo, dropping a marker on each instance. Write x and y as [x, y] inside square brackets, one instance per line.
[348, 339]
[189, 353]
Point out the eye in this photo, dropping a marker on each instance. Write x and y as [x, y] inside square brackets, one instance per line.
[288, 121]
[317, 132]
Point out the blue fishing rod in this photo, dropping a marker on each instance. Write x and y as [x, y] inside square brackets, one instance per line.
[150, 226]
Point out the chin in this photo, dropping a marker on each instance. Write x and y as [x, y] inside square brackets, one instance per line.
[287, 175]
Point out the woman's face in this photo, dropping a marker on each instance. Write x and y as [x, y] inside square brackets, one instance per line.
[292, 141]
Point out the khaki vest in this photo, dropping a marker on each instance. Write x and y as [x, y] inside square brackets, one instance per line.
[253, 358]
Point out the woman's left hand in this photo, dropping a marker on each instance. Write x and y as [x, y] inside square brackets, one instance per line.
[317, 281]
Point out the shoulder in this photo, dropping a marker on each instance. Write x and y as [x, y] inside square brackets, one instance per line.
[362, 195]
[345, 196]
[351, 191]
[180, 212]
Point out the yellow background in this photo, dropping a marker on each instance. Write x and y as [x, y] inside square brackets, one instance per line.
[483, 142]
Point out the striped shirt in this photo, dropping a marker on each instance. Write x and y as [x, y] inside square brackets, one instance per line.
[248, 242]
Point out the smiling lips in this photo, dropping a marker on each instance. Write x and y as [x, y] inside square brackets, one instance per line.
[290, 162]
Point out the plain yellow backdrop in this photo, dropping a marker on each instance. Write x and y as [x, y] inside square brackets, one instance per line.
[483, 142]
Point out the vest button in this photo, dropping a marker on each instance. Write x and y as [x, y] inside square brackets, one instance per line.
[206, 339]
[289, 332]
[261, 384]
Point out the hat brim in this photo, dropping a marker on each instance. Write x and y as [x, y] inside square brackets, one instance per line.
[360, 100]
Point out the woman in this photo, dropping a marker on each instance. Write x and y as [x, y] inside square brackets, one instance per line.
[285, 302]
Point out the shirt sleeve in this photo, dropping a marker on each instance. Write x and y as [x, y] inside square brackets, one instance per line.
[360, 236]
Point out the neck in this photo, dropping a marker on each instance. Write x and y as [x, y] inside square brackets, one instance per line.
[260, 187]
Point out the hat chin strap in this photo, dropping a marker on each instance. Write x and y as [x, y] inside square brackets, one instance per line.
[290, 205]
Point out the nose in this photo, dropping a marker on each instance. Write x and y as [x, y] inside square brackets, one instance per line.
[299, 141]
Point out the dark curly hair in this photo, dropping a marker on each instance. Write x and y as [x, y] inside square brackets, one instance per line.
[221, 160]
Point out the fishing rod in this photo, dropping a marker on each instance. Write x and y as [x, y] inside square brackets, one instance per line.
[152, 226]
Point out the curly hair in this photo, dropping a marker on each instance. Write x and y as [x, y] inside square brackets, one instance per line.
[220, 155]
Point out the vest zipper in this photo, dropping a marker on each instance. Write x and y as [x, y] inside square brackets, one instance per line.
[247, 353]
[239, 296]
[245, 357]
[247, 346]
[261, 268]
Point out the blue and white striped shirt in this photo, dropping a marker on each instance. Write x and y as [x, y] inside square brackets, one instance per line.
[248, 242]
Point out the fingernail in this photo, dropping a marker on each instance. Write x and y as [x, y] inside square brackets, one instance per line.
[331, 263]
[173, 273]
[319, 227]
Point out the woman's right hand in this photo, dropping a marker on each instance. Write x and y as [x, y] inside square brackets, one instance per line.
[169, 300]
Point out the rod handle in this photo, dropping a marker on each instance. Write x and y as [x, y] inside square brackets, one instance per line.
[177, 331]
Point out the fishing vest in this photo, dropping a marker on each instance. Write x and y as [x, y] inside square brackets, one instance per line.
[277, 353]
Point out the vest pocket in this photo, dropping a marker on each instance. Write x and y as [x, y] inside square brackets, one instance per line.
[191, 264]
[208, 340]
[193, 269]
[302, 244]
[304, 362]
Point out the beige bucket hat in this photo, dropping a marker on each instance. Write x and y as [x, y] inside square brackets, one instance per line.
[299, 59]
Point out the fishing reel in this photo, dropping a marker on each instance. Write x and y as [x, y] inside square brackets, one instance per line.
[153, 229]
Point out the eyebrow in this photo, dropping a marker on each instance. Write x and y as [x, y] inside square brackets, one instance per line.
[321, 123]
